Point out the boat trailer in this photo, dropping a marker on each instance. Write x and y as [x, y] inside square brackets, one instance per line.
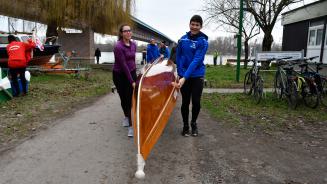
[61, 65]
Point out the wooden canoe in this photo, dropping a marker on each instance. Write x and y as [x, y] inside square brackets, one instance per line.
[153, 101]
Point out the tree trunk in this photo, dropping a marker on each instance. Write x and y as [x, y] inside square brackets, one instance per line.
[246, 53]
[266, 46]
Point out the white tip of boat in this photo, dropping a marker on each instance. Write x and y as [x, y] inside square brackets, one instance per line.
[140, 174]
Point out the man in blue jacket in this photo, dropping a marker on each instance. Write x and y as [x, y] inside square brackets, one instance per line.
[152, 52]
[163, 50]
[190, 54]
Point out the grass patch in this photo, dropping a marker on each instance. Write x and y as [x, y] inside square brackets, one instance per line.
[225, 77]
[49, 97]
[270, 115]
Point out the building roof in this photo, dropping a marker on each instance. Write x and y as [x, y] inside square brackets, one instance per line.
[309, 11]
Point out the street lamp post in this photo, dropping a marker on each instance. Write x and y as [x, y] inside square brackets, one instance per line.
[239, 42]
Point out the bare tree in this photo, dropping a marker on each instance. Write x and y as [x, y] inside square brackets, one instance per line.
[225, 13]
[223, 44]
[266, 13]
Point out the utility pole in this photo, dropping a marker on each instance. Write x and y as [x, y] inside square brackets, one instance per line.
[239, 42]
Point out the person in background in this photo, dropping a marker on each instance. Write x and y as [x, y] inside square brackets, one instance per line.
[152, 52]
[163, 50]
[173, 53]
[190, 54]
[124, 72]
[215, 56]
[17, 62]
[97, 54]
[143, 57]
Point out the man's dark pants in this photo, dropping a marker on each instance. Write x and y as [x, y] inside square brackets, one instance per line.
[192, 89]
[14, 72]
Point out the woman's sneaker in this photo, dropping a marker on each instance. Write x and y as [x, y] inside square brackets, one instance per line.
[186, 131]
[130, 132]
[125, 122]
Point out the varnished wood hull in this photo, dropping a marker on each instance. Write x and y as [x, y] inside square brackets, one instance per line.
[157, 99]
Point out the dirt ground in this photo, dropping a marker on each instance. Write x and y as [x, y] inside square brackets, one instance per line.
[91, 146]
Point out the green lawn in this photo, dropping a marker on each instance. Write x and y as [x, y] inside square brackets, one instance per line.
[240, 110]
[225, 77]
[50, 97]
[270, 115]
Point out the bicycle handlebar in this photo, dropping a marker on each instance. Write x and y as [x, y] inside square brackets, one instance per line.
[283, 61]
[312, 58]
[304, 64]
[278, 59]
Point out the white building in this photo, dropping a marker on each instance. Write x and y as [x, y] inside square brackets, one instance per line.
[305, 29]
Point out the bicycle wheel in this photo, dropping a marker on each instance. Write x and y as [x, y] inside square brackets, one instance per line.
[310, 94]
[323, 92]
[278, 86]
[292, 94]
[248, 83]
[258, 90]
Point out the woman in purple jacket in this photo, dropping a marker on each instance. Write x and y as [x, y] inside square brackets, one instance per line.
[124, 72]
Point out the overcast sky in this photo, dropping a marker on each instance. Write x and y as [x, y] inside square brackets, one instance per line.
[171, 17]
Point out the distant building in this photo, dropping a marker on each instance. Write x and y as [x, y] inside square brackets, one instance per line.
[305, 29]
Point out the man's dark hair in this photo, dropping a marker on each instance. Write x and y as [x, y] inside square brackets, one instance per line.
[197, 18]
[11, 38]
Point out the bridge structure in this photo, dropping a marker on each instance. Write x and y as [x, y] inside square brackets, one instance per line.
[83, 42]
[145, 32]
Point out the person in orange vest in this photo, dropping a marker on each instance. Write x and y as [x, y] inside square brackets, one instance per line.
[17, 62]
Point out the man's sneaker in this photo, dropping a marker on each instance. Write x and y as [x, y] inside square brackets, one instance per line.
[194, 129]
[125, 122]
[195, 132]
[130, 132]
[186, 131]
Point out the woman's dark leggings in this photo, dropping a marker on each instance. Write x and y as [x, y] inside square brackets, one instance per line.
[192, 88]
[125, 91]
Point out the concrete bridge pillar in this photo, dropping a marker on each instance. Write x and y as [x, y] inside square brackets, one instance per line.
[82, 43]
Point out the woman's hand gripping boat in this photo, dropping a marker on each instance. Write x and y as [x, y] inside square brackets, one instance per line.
[153, 101]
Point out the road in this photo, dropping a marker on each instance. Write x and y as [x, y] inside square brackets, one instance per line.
[91, 147]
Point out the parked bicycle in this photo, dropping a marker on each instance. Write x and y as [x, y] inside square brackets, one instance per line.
[297, 85]
[317, 81]
[253, 82]
[285, 83]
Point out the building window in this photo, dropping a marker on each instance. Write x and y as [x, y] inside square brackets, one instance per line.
[312, 35]
[319, 37]
[315, 36]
